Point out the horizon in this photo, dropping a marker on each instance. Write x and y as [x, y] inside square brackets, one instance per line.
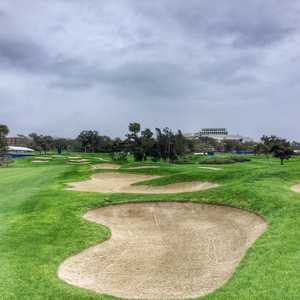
[68, 66]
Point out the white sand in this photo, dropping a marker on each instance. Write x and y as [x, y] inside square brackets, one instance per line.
[163, 250]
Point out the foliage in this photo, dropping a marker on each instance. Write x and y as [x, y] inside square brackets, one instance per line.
[225, 160]
[3, 133]
[119, 156]
[165, 145]
[41, 142]
[276, 146]
[3, 144]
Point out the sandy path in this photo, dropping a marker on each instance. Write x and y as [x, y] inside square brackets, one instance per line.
[123, 183]
[163, 250]
[296, 188]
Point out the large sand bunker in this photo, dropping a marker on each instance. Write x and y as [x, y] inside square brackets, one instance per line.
[296, 188]
[163, 250]
[123, 183]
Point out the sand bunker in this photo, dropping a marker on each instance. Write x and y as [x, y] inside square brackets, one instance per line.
[79, 160]
[100, 158]
[123, 183]
[210, 168]
[106, 166]
[296, 188]
[163, 250]
[40, 161]
[142, 167]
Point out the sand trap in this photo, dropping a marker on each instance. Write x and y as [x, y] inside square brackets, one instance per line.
[40, 161]
[100, 158]
[141, 167]
[210, 168]
[163, 250]
[79, 160]
[106, 166]
[123, 183]
[296, 188]
[43, 158]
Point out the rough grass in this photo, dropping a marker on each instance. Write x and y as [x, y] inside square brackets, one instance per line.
[41, 225]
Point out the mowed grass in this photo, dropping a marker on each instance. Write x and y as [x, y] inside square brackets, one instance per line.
[41, 224]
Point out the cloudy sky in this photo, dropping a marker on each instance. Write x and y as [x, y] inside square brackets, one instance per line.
[91, 64]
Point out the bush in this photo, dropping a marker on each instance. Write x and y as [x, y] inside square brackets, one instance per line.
[224, 160]
[119, 156]
[5, 161]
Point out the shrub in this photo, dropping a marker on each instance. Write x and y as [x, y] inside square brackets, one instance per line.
[5, 161]
[119, 156]
[224, 160]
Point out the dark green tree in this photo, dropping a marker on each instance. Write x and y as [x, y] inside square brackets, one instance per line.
[88, 140]
[41, 143]
[277, 146]
[3, 143]
[134, 142]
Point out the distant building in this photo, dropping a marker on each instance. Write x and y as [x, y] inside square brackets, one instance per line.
[213, 132]
[16, 141]
[219, 134]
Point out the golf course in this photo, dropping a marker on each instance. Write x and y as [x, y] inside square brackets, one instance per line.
[80, 226]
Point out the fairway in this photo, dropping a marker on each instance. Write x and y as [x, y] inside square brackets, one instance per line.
[42, 228]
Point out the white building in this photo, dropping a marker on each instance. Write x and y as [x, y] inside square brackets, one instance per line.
[219, 134]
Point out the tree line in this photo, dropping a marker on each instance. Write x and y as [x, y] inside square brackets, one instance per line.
[143, 144]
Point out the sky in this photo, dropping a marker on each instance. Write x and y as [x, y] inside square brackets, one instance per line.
[73, 65]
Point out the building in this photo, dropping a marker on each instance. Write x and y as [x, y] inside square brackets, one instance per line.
[16, 141]
[219, 134]
[213, 132]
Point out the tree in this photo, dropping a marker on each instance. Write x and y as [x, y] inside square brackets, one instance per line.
[3, 133]
[88, 139]
[134, 142]
[41, 142]
[282, 152]
[276, 146]
[147, 143]
[3, 143]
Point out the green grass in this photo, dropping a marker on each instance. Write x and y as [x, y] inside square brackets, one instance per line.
[41, 224]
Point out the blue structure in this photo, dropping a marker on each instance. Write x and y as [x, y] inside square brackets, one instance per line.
[245, 152]
[15, 152]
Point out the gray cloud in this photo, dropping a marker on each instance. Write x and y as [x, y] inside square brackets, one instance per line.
[72, 65]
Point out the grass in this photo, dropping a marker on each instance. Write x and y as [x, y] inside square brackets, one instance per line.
[41, 224]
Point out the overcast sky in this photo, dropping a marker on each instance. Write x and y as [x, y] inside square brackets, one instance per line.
[90, 64]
